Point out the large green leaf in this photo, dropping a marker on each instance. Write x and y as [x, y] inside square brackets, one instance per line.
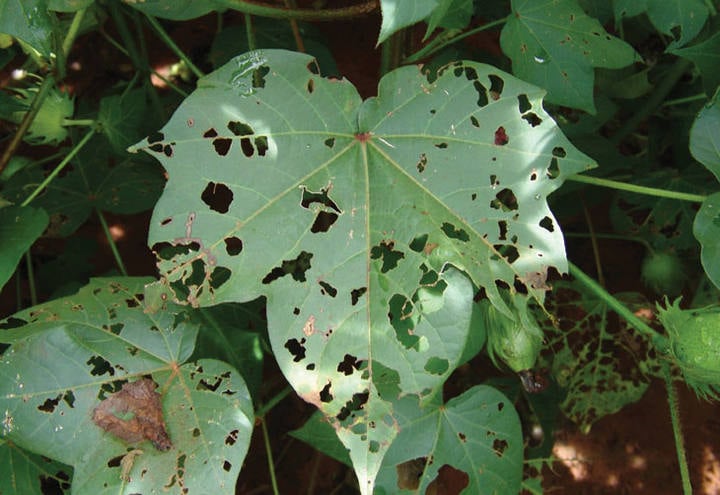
[398, 14]
[704, 140]
[29, 21]
[554, 44]
[69, 354]
[349, 217]
[20, 226]
[97, 179]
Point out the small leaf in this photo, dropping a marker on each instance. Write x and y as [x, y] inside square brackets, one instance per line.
[555, 45]
[707, 231]
[321, 435]
[398, 14]
[29, 21]
[89, 345]
[704, 141]
[450, 14]
[706, 57]
[20, 227]
[687, 16]
[123, 118]
[176, 10]
[477, 433]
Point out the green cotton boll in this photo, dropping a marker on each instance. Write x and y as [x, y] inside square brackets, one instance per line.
[663, 273]
[48, 125]
[695, 345]
[515, 343]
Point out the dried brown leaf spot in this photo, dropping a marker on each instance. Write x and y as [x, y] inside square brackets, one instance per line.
[134, 414]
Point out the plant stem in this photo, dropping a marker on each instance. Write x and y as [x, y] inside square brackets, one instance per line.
[618, 237]
[78, 122]
[250, 33]
[445, 39]
[265, 408]
[268, 450]
[593, 242]
[623, 186]
[677, 429]
[273, 11]
[27, 120]
[111, 242]
[658, 340]
[60, 166]
[687, 99]
[711, 7]
[292, 4]
[171, 44]
[31, 278]
[73, 31]
[129, 43]
[654, 101]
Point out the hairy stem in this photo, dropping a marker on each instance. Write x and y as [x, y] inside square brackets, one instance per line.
[677, 429]
[650, 191]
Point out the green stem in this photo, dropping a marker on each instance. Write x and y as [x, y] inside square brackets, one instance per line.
[654, 101]
[171, 44]
[711, 7]
[31, 278]
[265, 408]
[299, 44]
[111, 242]
[27, 120]
[687, 99]
[144, 59]
[78, 122]
[623, 186]
[250, 33]
[73, 31]
[617, 237]
[60, 166]
[268, 450]
[264, 10]
[677, 429]
[659, 341]
[129, 43]
[445, 39]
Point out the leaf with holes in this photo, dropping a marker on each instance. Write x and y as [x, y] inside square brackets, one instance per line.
[602, 366]
[355, 220]
[554, 44]
[29, 21]
[92, 344]
[477, 433]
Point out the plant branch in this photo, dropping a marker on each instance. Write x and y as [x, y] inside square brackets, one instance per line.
[292, 4]
[677, 429]
[73, 31]
[268, 450]
[27, 121]
[448, 38]
[111, 242]
[623, 186]
[265, 10]
[655, 100]
[31, 278]
[659, 341]
[265, 408]
[171, 44]
[60, 166]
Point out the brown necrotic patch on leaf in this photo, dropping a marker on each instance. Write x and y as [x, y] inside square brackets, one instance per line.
[134, 414]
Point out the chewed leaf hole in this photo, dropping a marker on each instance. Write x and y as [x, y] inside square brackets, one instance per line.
[296, 348]
[328, 289]
[474, 121]
[165, 221]
[482, 94]
[356, 294]
[523, 103]
[454, 233]
[505, 200]
[240, 128]
[233, 245]
[323, 221]
[312, 66]
[400, 315]
[437, 366]
[348, 365]
[510, 253]
[409, 473]
[355, 404]
[219, 276]
[330, 142]
[385, 251]
[501, 137]
[259, 76]
[422, 163]
[547, 224]
[325, 395]
[502, 225]
[418, 243]
[499, 447]
[496, 86]
[553, 170]
[532, 119]
[322, 198]
[222, 145]
[296, 268]
[311, 86]
[218, 197]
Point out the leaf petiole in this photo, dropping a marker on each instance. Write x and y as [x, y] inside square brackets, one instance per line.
[623, 186]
